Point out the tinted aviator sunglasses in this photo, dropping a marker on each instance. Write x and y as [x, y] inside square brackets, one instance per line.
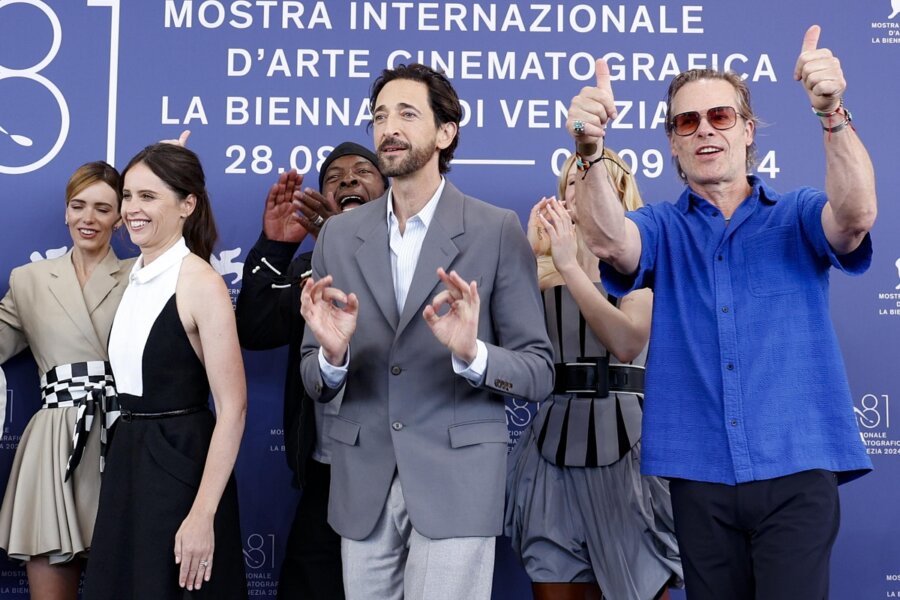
[719, 117]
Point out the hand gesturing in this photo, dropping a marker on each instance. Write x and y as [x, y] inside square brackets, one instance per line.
[280, 223]
[331, 316]
[458, 327]
[820, 73]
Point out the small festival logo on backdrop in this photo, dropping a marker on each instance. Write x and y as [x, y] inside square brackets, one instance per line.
[259, 557]
[887, 31]
[888, 297]
[519, 414]
[873, 415]
[49, 254]
[225, 265]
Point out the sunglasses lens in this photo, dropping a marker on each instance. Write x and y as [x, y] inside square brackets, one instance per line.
[686, 123]
[722, 117]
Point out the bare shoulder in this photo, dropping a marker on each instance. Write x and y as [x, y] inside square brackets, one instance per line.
[199, 280]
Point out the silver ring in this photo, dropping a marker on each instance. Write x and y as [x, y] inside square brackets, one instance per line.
[578, 127]
[204, 563]
[319, 220]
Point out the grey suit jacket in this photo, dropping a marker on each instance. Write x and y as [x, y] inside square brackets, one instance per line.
[46, 309]
[404, 408]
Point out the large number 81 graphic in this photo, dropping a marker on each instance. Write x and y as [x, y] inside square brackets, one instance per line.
[33, 74]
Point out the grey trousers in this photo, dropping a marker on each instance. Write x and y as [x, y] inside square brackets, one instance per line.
[396, 562]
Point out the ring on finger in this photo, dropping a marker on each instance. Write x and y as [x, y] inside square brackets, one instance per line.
[578, 127]
[318, 221]
[204, 563]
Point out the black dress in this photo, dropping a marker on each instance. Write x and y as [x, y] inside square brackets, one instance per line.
[152, 474]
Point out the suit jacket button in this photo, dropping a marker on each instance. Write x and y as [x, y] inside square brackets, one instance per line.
[397, 425]
[395, 370]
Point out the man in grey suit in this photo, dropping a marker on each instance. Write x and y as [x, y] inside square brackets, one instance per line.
[438, 292]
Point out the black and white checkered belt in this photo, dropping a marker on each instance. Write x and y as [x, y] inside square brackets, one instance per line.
[89, 386]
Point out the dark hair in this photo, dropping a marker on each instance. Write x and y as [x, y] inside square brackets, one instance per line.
[441, 96]
[181, 171]
[90, 173]
[743, 105]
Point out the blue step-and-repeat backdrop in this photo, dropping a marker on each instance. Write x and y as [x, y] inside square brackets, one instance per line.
[269, 85]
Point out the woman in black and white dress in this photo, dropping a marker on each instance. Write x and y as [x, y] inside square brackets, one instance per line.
[168, 518]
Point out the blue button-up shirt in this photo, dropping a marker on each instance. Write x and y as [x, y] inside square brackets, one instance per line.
[745, 379]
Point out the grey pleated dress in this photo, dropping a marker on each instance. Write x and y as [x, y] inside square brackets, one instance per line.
[578, 509]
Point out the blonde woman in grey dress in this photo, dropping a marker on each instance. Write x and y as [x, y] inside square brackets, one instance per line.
[582, 519]
[63, 310]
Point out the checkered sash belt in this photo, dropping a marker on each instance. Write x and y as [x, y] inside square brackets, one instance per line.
[90, 387]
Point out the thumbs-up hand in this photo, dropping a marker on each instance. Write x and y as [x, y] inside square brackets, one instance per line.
[592, 108]
[820, 72]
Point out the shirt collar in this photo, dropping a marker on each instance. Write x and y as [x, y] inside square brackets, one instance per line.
[174, 255]
[425, 215]
[759, 190]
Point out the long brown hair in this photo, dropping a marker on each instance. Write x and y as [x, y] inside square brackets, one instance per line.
[180, 169]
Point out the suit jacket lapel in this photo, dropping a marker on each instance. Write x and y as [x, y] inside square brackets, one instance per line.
[101, 282]
[65, 288]
[374, 258]
[438, 250]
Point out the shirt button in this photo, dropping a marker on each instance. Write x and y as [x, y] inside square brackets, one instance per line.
[730, 366]
[734, 422]
[724, 309]
[720, 257]
[395, 370]
[396, 425]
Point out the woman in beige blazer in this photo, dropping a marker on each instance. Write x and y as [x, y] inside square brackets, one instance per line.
[63, 310]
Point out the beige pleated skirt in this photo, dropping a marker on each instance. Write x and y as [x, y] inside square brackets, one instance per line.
[42, 515]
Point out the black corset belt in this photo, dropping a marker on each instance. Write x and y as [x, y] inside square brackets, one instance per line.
[128, 415]
[594, 377]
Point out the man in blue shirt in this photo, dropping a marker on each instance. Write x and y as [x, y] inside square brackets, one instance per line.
[748, 409]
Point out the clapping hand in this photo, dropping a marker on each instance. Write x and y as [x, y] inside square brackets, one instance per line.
[559, 228]
[313, 209]
[280, 222]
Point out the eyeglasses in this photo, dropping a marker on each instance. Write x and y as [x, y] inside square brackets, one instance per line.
[720, 117]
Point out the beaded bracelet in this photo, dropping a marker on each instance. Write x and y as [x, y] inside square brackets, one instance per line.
[584, 165]
[828, 115]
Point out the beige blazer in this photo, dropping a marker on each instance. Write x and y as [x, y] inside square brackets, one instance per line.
[46, 309]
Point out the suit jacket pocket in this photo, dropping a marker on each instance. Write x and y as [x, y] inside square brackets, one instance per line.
[478, 432]
[342, 430]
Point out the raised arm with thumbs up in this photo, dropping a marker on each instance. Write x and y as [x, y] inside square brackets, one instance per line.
[849, 176]
[607, 232]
